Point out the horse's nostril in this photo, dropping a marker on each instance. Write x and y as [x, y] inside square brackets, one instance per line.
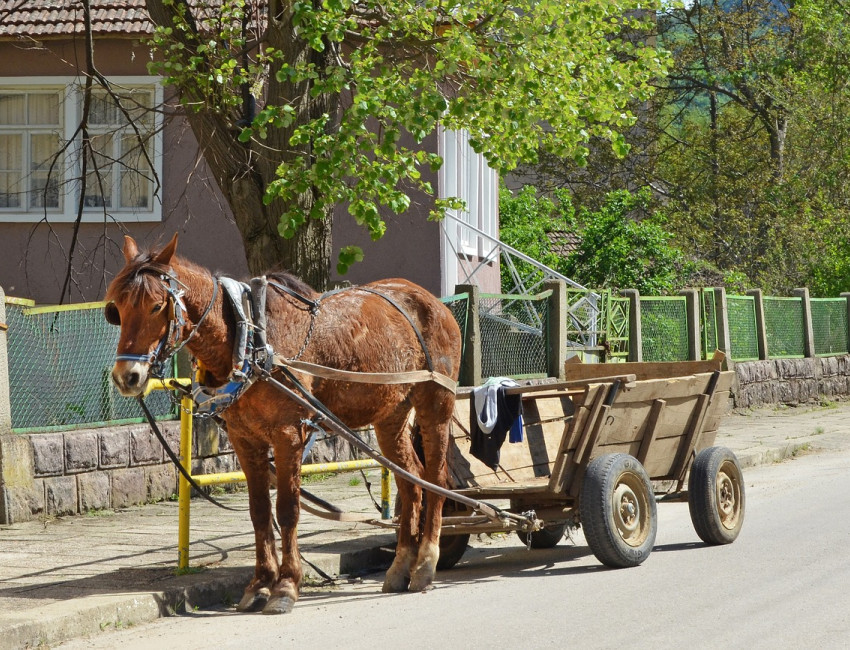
[133, 379]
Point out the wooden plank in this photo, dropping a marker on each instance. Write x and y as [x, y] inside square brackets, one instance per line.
[651, 429]
[668, 389]
[564, 465]
[613, 374]
[691, 437]
[575, 370]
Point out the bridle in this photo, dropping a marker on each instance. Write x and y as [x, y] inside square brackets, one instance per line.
[170, 344]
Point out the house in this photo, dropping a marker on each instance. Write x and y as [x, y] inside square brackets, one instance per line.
[153, 189]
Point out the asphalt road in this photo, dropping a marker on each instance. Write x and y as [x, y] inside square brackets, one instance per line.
[785, 583]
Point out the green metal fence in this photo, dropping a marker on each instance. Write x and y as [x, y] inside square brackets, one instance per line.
[60, 360]
[664, 328]
[829, 325]
[783, 323]
[743, 331]
[513, 330]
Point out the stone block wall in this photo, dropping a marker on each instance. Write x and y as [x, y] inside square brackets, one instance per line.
[791, 381]
[71, 472]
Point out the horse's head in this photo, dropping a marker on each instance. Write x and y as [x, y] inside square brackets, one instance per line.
[141, 301]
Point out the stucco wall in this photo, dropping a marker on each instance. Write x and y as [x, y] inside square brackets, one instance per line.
[32, 256]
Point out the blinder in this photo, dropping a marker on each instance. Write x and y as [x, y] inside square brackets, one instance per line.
[110, 313]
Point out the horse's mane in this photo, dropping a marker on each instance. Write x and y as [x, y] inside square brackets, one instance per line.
[140, 279]
[291, 282]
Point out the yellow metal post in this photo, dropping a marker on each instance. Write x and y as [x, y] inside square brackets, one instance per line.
[184, 490]
[386, 513]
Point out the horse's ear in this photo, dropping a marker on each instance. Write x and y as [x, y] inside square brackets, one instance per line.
[110, 312]
[130, 249]
[165, 255]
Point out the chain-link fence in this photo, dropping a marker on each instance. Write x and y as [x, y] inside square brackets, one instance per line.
[829, 325]
[664, 328]
[513, 335]
[783, 324]
[743, 331]
[60, 359]
[458, 304]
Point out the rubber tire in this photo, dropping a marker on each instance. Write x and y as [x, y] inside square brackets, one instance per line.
[604, 478]
[452, 547]
[547, 537]
[716, 496]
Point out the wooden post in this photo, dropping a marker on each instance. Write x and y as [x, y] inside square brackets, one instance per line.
[761, 327]
[721, 312]
[692, 309]
[5, 403]
[635, 336]
[846, 297]
[470, 364]
[556, 328]
[808, 329]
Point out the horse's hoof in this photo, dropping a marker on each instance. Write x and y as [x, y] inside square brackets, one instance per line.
[279, 605]
[395, 586]
[254, 601]
[422, 580]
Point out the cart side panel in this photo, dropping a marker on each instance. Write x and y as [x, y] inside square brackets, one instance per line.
[678, 425]
[545, 423]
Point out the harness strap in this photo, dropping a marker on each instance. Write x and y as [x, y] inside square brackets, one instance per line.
[428, 361]
[409, 377]
[312, 304]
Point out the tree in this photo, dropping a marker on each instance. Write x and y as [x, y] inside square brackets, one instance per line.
[299, 106]
[745, 144]
[621, 245]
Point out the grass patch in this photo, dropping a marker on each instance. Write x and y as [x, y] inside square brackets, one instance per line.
[354, 481]
[189, 571]
[316, 478]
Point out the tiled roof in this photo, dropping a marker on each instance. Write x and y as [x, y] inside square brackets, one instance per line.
[39, 18]
[564, 242]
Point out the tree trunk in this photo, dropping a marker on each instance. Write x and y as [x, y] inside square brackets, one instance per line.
[244, 171]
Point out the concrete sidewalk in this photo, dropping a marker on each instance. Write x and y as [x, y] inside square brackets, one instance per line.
[62, 578]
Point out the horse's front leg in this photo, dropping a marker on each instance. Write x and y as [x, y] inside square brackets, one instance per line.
[287, 451]
[254, 458]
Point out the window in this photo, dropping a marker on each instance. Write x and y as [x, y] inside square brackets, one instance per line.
[30, 128]
[41, 154]
[466, 175]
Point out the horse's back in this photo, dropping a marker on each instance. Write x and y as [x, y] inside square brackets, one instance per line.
[377, 328]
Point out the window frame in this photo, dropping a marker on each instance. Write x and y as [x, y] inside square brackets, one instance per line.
[69, 88]
[466, 175]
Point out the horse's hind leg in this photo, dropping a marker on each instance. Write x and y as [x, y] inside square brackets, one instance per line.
[255, 463]
[434, 407]
[396, 445]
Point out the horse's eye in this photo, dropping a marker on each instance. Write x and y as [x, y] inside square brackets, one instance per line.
[157, 308]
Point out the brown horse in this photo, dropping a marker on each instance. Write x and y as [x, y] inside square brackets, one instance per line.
[355, 330]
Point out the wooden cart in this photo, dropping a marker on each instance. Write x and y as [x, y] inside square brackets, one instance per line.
[596, 450]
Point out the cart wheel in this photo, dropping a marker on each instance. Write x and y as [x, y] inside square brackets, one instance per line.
[452, 547]
[618, 511]
[716, 496]
[546, 537]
